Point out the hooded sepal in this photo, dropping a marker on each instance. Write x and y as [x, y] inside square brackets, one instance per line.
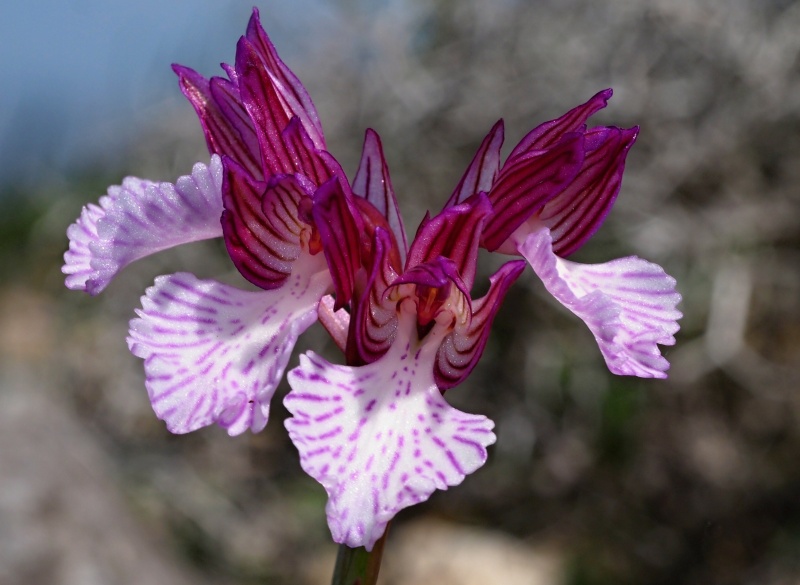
[261, 224]
[628, 304]
[575, 214]
[453, 234]
[525, 185]
[336, 221]
[263, 104]
[139, 218]
[225, 122]
[550, 133]
[292, 94]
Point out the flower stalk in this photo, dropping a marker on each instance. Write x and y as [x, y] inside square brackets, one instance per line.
[358, 566]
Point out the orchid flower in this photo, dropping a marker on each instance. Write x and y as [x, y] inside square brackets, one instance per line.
[214, 353]
[378, 433]
[550, 196]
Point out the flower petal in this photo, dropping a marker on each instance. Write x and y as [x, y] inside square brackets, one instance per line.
[293, 96]
[261, 225]
[380, 437]
[226, 124]
[263, 104]
[575, 214]
[628, 304]
[453, 234]
[372, 182]
[336, 323]
[460, 350]
[214, 353]
[139, 218]
[373, 319]
[316, 165]
[527, 183]
[550, 133]
[483, 169]
[339, 232]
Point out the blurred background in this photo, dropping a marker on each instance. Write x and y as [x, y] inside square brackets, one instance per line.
[595, 479]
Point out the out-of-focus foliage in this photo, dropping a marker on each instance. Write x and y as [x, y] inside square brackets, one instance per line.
[695, 480]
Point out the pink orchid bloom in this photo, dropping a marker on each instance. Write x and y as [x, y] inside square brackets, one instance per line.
[214, 353]
[550, 196]
[378, 434]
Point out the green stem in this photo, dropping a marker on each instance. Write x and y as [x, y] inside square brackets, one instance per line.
[357, 566]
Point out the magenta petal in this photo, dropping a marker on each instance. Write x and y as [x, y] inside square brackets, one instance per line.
[527, 183]
[550, 133]
[373, 317]
[461, 349]
[380, 437]
[317, 165]
[576, 213]
[372, 182]
[293, 96]
[263, 104]
[483, 169]
[628, 304]
[226, 124]
[139, 218]
[214, 353]
[261, 225]
[453, 234]
[340, 234]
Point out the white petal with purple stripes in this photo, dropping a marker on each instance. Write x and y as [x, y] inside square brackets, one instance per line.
[214, 353]
[139, 218]
[628, 304]
[380, 437]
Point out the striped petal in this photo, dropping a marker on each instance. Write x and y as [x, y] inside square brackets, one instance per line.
[576, 213]
[373, 316]
[461, 349]
[372, 182]
[139, 218]
[225, 122]
[261, 225]
[483, 169]
[628, 304]
[262, 100]
[292, 94]
[550, 133]
[214, 353]
[453, 234]
[526, 184]
[380, 437]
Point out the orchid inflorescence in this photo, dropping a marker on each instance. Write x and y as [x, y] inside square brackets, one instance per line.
[376, 432]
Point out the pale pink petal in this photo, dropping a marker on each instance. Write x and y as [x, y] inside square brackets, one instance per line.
[380, 437]
[214, 353]
[628, 304]
[139, 218]
[336, 323]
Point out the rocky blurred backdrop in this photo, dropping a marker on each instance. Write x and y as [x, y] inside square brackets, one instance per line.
[595, 479]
